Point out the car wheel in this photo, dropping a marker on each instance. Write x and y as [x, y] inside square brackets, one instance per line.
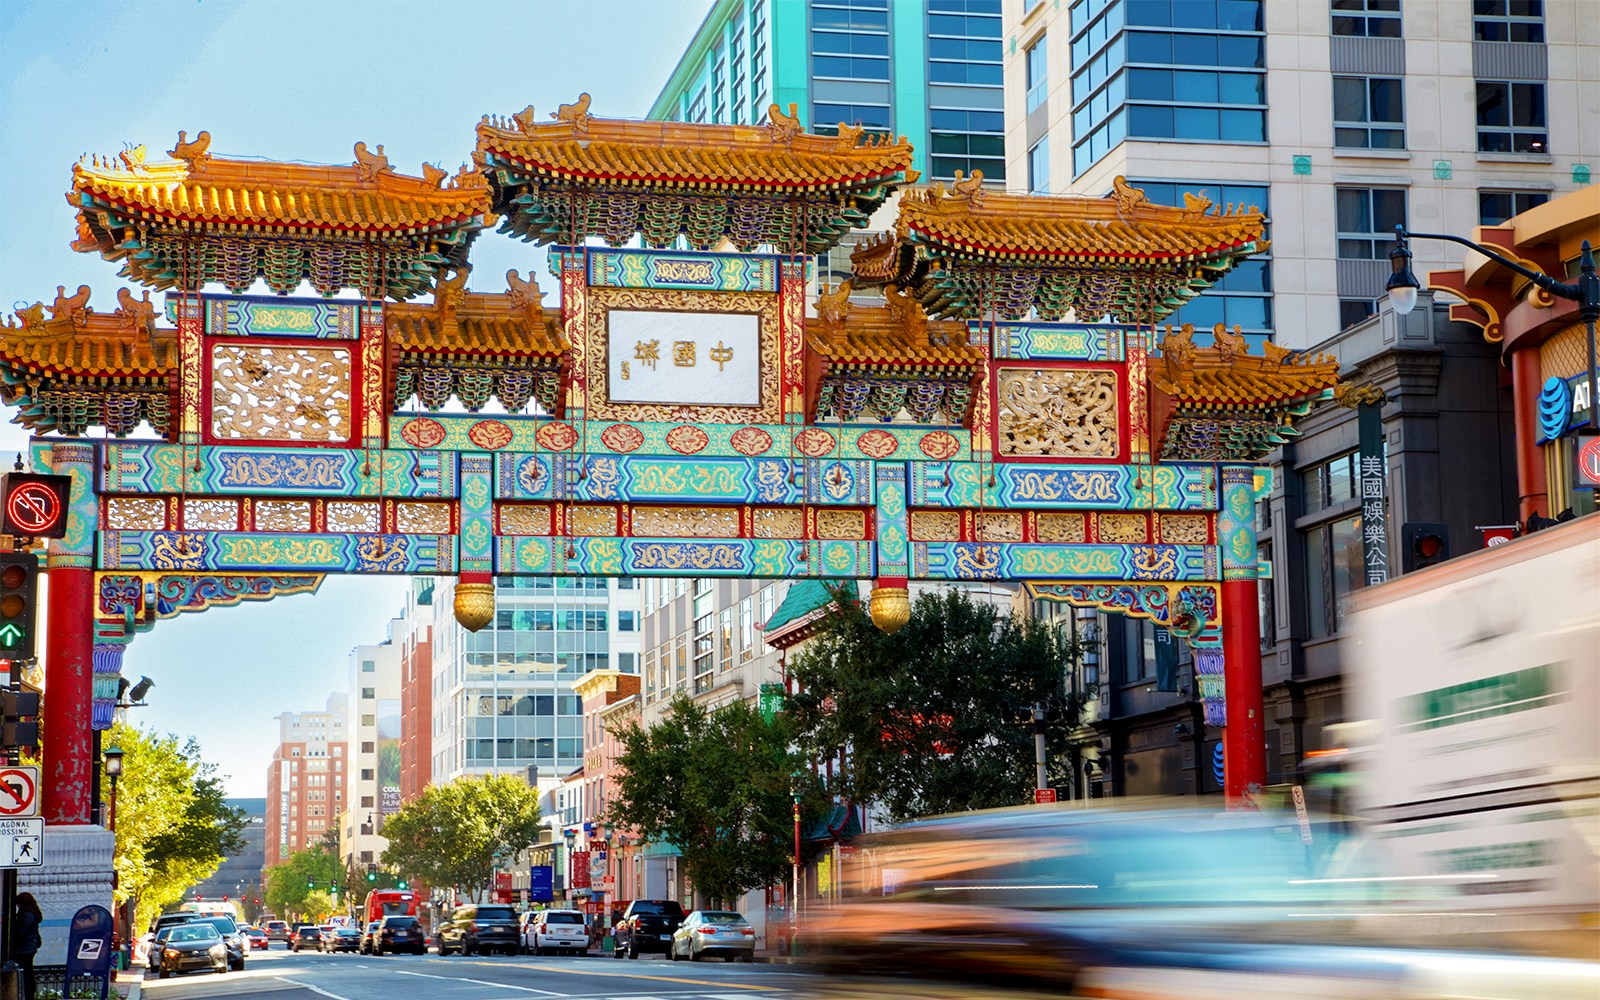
[748, 956]
[162, 973]
[694, 956]
[633, 951]
[238, 966]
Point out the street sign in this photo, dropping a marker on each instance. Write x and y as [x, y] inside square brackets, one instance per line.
[19, 788]
[21, 843]
[34, 505]
[1044, 795]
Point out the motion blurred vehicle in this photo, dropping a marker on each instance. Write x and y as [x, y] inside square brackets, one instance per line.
[647, 925]
[555, 931]
[401, 933]
[307, 936]
[1129, 901]
[277, 930]
[369, 938]
[341, 939]
[720, 934]
[232, 937]
[473, 928]
[257, 939]
[192, 946]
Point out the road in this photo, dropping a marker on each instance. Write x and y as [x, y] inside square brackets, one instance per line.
[281, 975]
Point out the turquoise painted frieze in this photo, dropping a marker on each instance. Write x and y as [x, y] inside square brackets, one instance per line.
[170, 468]
[1016, 561]
[1057, 487]
[892, 534]
[75, 459]
[714, 272]
[737, 557]
[1061, 341]
[242, 552]
[477, 514]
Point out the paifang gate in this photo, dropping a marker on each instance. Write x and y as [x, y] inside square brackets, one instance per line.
[981, 400]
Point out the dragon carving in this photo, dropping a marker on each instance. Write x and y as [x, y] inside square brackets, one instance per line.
[833, 307]
[370, 165]
[196, 154]
[577, 113]
[784, 127]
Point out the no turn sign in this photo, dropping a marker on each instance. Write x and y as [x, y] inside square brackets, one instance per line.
[19, 791]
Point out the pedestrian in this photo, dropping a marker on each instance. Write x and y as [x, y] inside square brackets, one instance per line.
[25, 941]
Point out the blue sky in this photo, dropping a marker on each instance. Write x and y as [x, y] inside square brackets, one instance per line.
[296, 80]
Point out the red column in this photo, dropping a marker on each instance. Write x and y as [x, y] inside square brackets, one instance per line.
[1532, 492]
[67, 745]
[1244, 737]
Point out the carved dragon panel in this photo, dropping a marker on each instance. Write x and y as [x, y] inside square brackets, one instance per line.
[1058, 413]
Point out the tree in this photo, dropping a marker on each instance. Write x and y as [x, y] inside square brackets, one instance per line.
[449, 835]
[319, 905]
[717, 786]
[174, 827]
[297, 877]
[937, 717]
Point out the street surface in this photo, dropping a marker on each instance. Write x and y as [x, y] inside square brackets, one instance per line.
[282, 975]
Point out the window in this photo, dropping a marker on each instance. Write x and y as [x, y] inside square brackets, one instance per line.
[826, 117]
[719, 95]
[1334, 570]
[1508, 20]
[1511, 117]
[625, 621]
[1039, 169]
[1367, 18]
[697, 108]
[369, 720]
[368, 746]
[366, 774]
[627, 662]
[1368, 113]
[1366, 220]
[1329, 484]
[968, 153]
[1242, 297]
[367, 667]
[368, 694]
[1495, 207]
[1038, 75]
[725, 638]
[746, 635]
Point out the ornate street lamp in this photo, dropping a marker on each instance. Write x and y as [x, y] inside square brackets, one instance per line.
[794, 904]
[113, 764]
[1402, 288]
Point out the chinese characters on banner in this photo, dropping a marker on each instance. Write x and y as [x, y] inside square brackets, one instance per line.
[684, 358]
[1372, 482]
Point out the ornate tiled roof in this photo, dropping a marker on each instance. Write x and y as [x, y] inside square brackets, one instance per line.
[1220, 403]
[199, 217]
[898, 333]
[468, 323]
[558, 181]
[971, 252]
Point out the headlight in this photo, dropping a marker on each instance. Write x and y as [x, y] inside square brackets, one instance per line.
[217, 949]
[170, 953]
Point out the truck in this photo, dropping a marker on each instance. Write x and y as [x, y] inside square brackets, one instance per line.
[1475, 684]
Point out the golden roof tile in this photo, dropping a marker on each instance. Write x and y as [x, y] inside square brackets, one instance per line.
[1225, 375]
[76, 341]
[897, 333]
[512, 323]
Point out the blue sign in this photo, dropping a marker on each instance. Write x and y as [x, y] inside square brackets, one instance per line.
[541, 884]
[89, 950]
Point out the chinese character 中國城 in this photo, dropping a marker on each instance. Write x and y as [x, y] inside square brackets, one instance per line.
[683, 353]
[647, 352]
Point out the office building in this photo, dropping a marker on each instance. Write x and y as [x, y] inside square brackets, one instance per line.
[241, 871]
[1339, 118]
[373, 760]
[415, 641]
[306, 780]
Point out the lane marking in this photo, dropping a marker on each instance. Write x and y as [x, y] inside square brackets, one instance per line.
[482, 982]
[718, 984]
[315, 989]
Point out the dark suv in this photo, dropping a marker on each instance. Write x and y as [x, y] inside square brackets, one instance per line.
[479, 927]
[647, 925]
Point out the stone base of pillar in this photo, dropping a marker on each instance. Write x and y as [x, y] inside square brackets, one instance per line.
[76, 872]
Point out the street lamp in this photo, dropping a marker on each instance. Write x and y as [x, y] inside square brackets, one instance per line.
[113, 762]
[794, 904]
[1402, 288]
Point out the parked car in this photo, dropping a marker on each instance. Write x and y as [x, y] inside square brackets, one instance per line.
[232, 936]
[341, 939]
[307, 936]
[369, 938]
[557, 931]
[158, 939]
[474, 928]
[399, 933]
[647, 925]
[277, 930]
[192, 946]
[256, 938]
[715, 934]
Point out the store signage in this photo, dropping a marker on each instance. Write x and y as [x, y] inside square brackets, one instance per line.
[1374, 516]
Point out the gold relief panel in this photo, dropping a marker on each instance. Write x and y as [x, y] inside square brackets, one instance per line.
[211, 515]
[1121, 528]
[1184, 529]
[935, 526]
[999, 527]
[1064, 528]
[686, 522]
[280, 393]
[136, 514]
[1057, 412]
[283, 515]
[422, 518]
[353, 516]
[850, 525]
[777, 522]
[592, 522]
[525, 519]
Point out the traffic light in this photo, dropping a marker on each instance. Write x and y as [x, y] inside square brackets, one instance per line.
[372, 872]
[19, 580]
[400, 884]
[1423, 544]
[20, 709]
[311, 883]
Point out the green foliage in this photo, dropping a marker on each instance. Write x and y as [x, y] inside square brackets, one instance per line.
[937, 717]
[287, 882]
[448, 836]
[173, 826]
[717, 786]
[319, 906]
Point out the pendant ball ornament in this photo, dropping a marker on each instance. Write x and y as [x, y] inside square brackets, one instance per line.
[474, 605]
[890, 608]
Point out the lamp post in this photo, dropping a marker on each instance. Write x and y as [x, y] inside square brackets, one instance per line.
[1402, 288]
[113, 766]
[794, 903]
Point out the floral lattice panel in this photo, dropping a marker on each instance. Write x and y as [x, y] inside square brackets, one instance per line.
[280, 393]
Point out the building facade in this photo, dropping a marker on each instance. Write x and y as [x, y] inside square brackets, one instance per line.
[373, 760]
[240, 872]
[306, 781]
[1339, 118]
[415, 641]
[503, 698]
[702, 637]
[927, 70]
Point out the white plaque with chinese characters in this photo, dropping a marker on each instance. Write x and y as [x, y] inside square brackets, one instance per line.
[684, 357]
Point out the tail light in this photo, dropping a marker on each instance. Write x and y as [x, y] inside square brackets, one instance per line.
[473, 927]
[708, 930]
[748, 931]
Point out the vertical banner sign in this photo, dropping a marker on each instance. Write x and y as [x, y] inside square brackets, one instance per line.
[89, 946]
[1374, 518]
[580, 870]
[541, 884]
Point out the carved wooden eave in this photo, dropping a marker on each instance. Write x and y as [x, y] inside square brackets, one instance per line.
[974, 253]
[561, 180]
[79, 368]
[198, 218]
[1489, 292]
[1221, 403]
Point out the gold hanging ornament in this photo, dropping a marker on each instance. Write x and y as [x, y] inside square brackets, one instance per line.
[474, 605]
[890, 608]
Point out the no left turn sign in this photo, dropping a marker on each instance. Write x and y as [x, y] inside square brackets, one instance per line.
[19, 791]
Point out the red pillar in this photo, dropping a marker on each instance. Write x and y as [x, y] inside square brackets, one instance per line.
[1244, 737]
[67, 745]
[1532, 493]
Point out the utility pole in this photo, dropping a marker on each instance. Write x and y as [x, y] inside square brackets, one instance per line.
[1041, 780]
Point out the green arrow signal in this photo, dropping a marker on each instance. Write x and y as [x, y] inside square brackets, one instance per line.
[10, 635]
